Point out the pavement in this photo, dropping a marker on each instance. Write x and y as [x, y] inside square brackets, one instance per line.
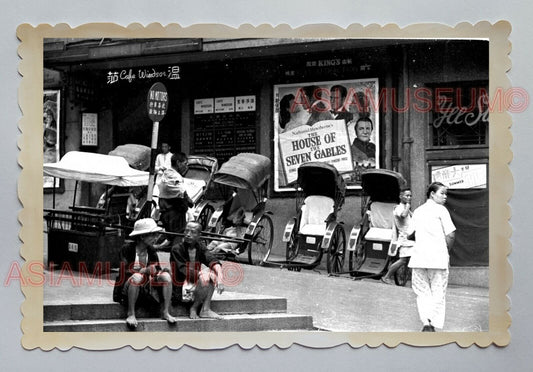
[335, 303]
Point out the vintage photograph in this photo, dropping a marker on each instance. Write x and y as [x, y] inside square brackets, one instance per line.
[323, 186]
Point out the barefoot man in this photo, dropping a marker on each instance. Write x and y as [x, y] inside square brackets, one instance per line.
[192, 283]
[141, 276]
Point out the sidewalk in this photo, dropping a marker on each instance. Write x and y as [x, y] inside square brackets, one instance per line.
[335, 303]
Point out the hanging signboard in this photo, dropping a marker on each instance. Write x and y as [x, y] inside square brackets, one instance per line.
[244, 103]
[203, 106]
[224, 104]
[157, 102]
[464, 176]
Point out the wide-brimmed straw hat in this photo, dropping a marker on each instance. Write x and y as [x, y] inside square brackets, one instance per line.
[145, 226]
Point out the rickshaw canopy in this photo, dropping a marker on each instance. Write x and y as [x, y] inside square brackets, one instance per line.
[203, 161]
[382, 184]
[317, 178]
[96, 168]
[244, 171]
[137, 156]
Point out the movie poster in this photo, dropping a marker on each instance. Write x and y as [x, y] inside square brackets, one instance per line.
[335, 122]
[51, 110]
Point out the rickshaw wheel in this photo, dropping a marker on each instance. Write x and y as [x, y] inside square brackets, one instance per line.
[261, 242]
[401, 275]
[356, 258]
[205, 215]
[336, 251]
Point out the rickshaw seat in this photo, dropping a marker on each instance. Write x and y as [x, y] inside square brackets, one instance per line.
[378, 234]
[381, 215]
[381, 222]
[315, 211]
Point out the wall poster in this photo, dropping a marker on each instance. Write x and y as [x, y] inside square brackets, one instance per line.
[89, 129]
[336, 122]
[51, 121]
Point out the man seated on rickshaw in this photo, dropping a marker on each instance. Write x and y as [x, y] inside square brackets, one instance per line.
[192, 283]
[239, 222]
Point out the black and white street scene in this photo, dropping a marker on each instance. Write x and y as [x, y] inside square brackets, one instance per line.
[256, 184]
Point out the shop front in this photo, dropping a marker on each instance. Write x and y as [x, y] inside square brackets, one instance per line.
[412, 106]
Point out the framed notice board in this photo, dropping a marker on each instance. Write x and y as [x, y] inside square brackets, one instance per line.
[224, 134]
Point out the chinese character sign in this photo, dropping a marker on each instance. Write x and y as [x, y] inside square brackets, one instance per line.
[336, 122]
[463, 176]
[157, 102]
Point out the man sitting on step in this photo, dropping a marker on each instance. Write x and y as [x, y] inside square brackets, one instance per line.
[192, 283]
[141, 275]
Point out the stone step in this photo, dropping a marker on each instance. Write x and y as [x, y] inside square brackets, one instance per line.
[103, 309]
[229, 323]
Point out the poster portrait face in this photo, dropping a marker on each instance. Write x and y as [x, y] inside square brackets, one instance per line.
[335, 122]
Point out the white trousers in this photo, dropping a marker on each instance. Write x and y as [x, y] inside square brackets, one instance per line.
[430, 286]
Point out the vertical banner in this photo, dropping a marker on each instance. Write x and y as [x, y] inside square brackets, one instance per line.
[51, 127]
[336, 122]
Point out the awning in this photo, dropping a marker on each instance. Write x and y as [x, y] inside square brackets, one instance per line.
[96, 168]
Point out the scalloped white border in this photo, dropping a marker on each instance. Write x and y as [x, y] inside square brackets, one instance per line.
[501, 181]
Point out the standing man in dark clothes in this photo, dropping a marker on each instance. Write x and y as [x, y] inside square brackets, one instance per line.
[192, 283]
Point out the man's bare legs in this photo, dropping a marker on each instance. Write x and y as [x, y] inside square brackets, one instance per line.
[133, 293]
[166, 282]
[135, 282]
[389, 276]
[202, 296]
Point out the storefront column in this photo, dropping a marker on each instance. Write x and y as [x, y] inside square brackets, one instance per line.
[388, 126]
[185, 128]
[265, 135]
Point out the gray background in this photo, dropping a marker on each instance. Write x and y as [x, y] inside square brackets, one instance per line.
[516, 357]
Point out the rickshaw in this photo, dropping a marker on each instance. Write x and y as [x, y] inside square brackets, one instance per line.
[200, 188]
[244, 181]
[87, 235]
[315, 229]
[369, 241]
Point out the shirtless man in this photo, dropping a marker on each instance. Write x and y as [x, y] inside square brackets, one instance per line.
[192, 283]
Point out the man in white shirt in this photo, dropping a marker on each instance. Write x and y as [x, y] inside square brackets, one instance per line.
[162, 161]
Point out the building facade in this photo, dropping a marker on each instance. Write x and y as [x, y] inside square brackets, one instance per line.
[427, 101]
